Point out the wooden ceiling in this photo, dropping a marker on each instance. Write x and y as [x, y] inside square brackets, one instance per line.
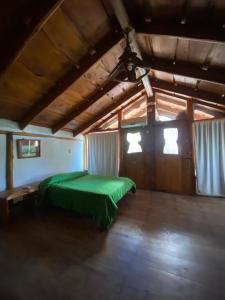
[56, 57]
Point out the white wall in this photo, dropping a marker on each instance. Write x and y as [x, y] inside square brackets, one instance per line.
[2, 162]
[57, 155]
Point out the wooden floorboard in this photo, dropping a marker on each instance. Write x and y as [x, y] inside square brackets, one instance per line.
[160, 246]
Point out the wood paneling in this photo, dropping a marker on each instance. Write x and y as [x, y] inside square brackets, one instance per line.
[174, 173]
[29, 18]
[66, 81]
[139, 166]
[129, 94]
[56, 71]
[89, 17]
[101, 91]
[186, 91]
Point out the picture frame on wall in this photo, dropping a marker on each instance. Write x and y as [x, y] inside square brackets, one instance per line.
[27, 148]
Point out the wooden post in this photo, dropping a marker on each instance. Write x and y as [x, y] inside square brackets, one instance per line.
[150, 138]
[9, 160]
[190, 111]
[150, 101]
[120, 117]
[190, 115]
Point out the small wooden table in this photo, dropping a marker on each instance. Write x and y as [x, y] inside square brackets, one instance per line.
[9, 196]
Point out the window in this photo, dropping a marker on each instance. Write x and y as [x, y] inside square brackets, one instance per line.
[170, 137]
[134, 139]
[164, 118]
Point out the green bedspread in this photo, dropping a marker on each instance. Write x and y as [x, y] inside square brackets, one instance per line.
[87, 194]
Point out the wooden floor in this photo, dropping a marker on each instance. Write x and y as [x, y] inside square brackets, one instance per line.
[161, 246]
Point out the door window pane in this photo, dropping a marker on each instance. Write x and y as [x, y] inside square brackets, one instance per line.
[134, 140]
[170, 137]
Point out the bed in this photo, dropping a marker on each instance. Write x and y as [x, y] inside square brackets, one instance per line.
[92, 195]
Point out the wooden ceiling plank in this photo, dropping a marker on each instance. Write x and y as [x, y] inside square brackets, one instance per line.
[209, 111]
[112, 115]
[34, 20]
[126, 96]
[186, 69]
[65, 82]
[196, 32]
[207, 104]
[85, 104]
[219, 108]
[159, 85]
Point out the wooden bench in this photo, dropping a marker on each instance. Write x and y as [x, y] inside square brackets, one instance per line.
[9, 196]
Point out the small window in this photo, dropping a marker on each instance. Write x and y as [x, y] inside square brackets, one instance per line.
[170, 137]
[134, 139]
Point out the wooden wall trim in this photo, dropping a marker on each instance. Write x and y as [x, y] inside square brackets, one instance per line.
[103, 130]
[36, 135]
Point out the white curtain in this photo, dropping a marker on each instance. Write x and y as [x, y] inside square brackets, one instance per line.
[103, 153]
[210, 157]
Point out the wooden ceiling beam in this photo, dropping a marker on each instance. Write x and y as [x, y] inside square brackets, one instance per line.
[74, 74]
[110, 123]
[171, 101]
[159, 85]
[186, 69]
[125, 97]
[33, 18]
[214, 106]
[166, 112]
[103, 130]
[123, 19]
[209, 111]
[196, 32]
[167, 107]
[135, 105]
[85, 104]
[115, 113]
[111, 116]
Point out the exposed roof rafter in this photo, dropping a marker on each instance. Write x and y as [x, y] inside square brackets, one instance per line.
[214, 106]
[129, 94]
[115, 113]
[186, 69]
[33, 20]
[85, 104]
[198, 32]
[64, 83]
[159, 85]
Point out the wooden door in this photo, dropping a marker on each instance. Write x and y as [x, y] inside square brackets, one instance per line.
[138, 166]
[174, 172]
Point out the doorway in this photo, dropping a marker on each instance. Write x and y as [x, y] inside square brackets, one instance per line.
[174, 168]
